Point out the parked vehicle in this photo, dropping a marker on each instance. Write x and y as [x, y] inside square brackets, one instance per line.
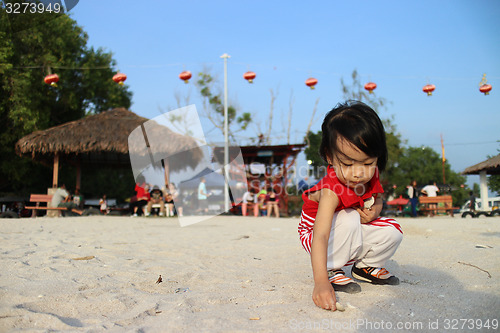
[492, 209]
[13, 207]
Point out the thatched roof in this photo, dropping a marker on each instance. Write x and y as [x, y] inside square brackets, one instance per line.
[104, 139]
[491, 166]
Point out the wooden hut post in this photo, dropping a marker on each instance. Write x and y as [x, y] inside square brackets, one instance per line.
[78, 175]
[284, 182]
[166, 168]
[55, 171]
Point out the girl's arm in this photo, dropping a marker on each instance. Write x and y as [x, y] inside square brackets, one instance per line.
[323, 293]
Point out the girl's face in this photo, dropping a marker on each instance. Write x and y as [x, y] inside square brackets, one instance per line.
[353, 167]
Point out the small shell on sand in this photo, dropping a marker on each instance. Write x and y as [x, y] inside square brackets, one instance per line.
[369, 203]
[340, 307]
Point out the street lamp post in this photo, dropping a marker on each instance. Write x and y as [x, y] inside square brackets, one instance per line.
[225, 56]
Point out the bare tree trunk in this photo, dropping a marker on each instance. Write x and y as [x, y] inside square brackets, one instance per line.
[273, 98]
[178, 97]
[311, 121]
[290, 109]
[179, 122]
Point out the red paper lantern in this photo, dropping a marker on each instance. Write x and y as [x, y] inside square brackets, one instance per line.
[485, 89]
[119, 78]
[249, 76]
[370, 86]
[185, 76]
[311, 82]
[429, 88]
[52, 79]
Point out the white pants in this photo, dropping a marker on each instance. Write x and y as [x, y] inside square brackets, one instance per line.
[367, 245]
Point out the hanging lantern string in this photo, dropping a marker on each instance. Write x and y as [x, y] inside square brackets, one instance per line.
[246, 64]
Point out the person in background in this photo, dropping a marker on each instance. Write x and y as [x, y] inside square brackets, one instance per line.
[413, 196]
[177, 204]
[103, 205]
[260, 205]
[202, 196]
[272, 203]
[142, 198]
[156, 198]
[169, 202]
[247, 199]
[178, 200]
[59, 196]
[431, 190]
[78, 199]
[62, 198]
[472, 202]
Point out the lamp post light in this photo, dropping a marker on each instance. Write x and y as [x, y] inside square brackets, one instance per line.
[309, 163]
[225, 56]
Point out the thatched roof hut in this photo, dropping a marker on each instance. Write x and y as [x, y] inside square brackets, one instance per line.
[105, 139]
[491, 166]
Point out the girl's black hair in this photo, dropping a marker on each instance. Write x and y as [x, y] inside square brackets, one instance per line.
[357, 123]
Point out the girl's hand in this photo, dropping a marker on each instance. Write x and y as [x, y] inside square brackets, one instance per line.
[324, 296]
[367, 215]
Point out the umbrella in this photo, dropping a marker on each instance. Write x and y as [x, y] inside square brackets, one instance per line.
[400, 202]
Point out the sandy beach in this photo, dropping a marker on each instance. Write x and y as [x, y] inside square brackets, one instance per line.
[235, 274]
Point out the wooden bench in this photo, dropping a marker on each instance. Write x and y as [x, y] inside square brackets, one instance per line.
[445, 200]
[39, 198]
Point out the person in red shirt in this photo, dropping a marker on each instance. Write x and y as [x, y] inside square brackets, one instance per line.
[340, 223]
[142, 198]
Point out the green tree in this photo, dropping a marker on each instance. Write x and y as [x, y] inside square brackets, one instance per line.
[425, 165]
[494, 183]
[32, 46]
[312, 153]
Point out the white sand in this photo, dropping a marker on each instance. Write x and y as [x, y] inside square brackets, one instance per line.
[233, 274]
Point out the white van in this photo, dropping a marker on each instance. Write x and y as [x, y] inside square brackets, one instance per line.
[493, 205]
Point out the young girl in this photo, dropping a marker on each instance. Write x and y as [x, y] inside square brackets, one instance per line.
[340, 223]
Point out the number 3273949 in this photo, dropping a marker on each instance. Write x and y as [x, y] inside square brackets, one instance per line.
[471, 324]
[32, 7]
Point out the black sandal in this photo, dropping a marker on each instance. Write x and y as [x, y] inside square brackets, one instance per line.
[374, 275]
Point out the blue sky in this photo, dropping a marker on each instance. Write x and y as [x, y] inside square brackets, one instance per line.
[400, 45]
